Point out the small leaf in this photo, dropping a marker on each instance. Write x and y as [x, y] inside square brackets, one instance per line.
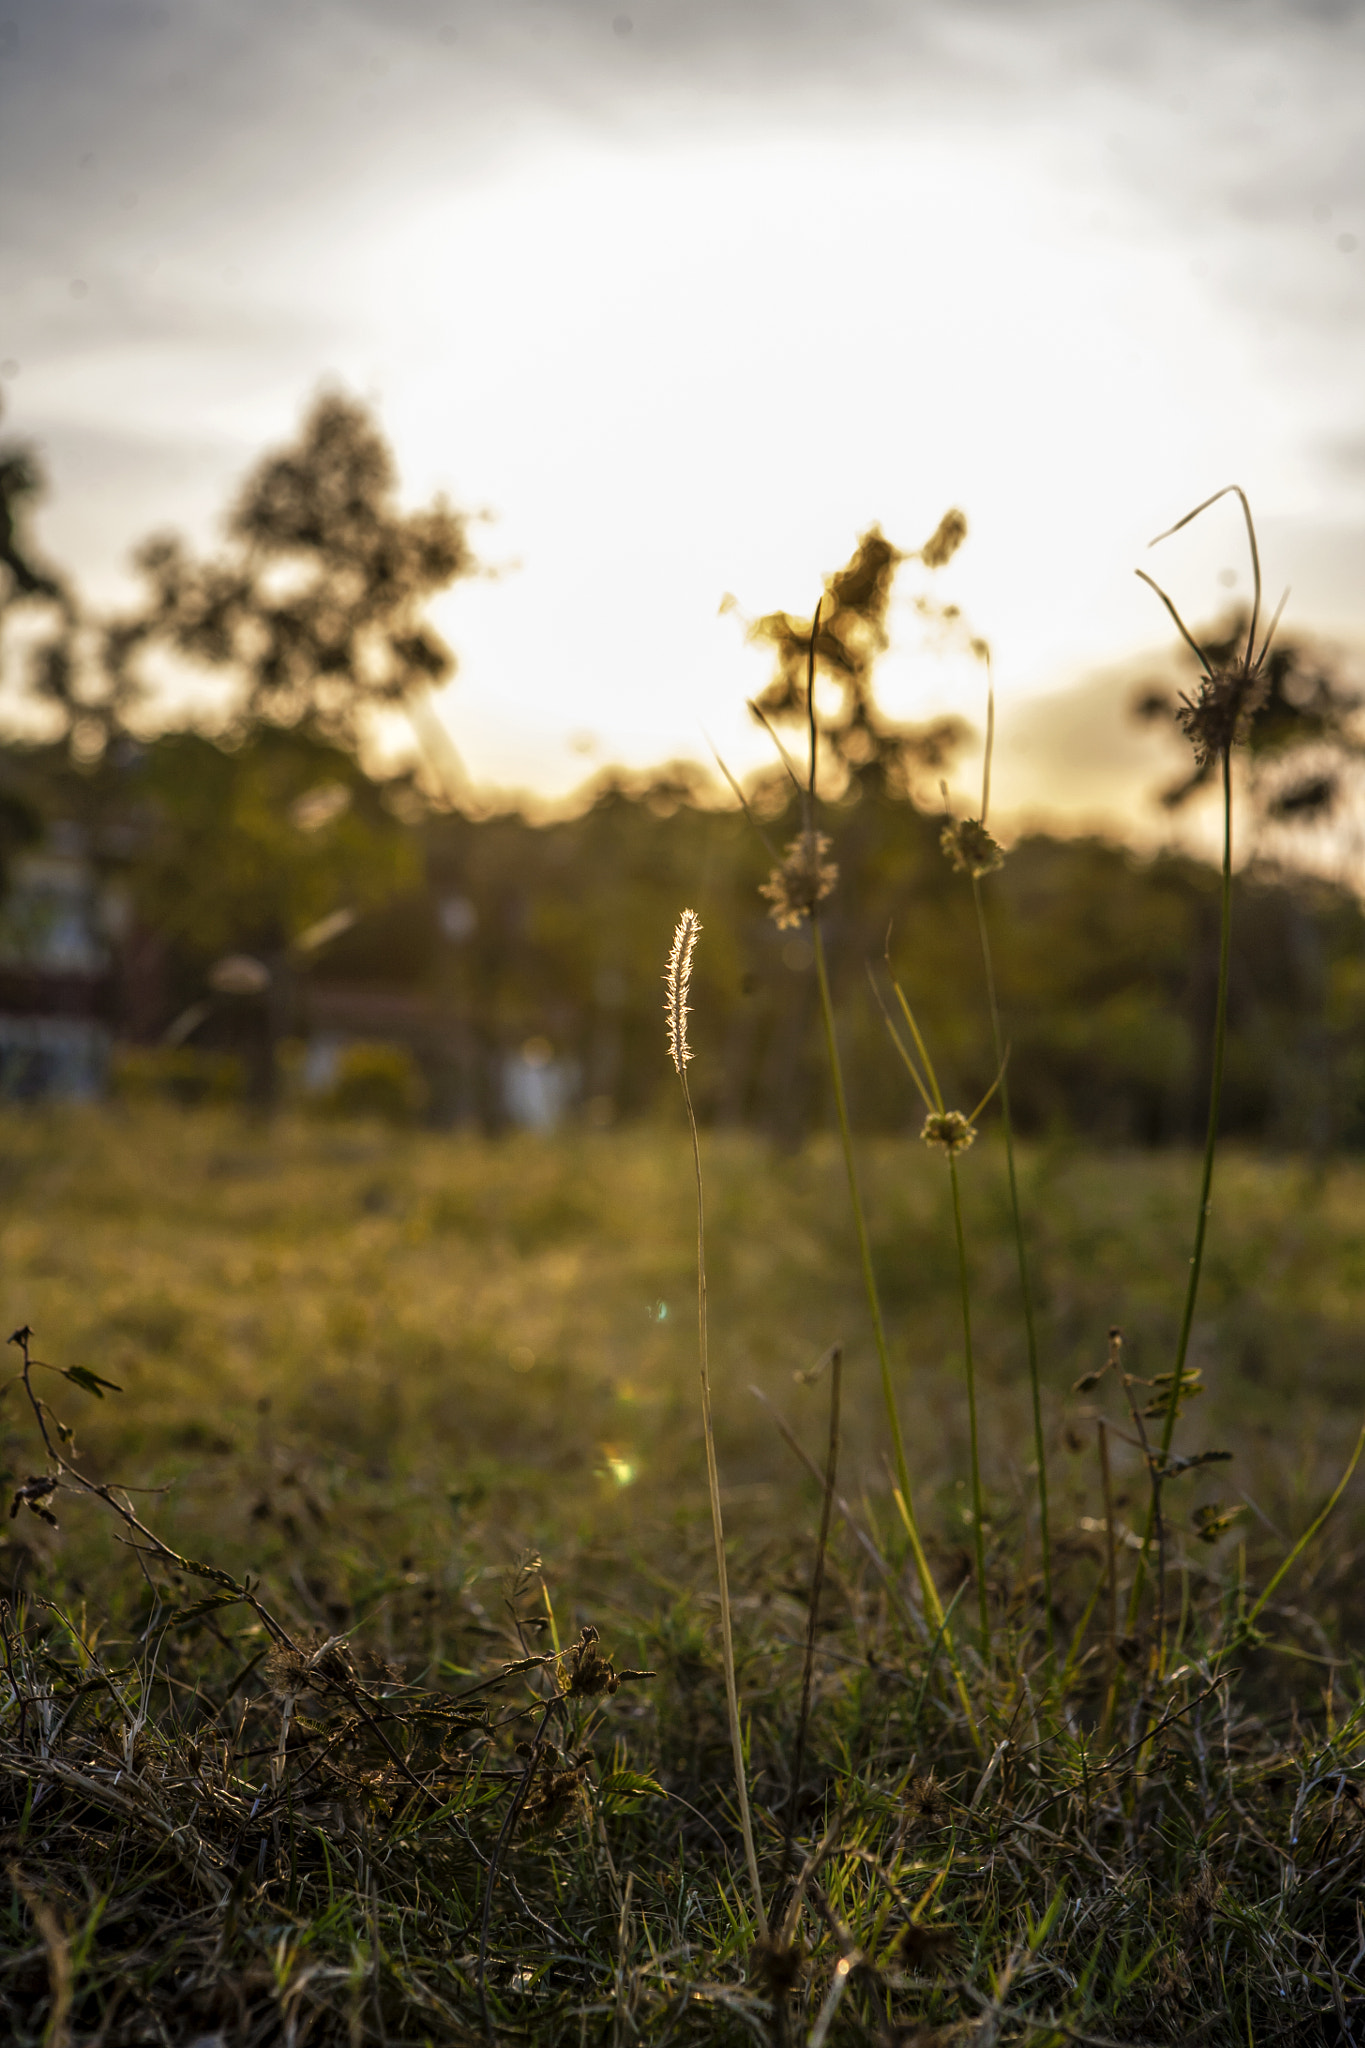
[1087, 1381]
[623, 1791]
[1175, 1466]
[1214, 1520]
[1162, 1404]
[202, 1607]
[81, 1376]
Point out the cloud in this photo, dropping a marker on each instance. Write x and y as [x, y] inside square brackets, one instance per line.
[1059, 248]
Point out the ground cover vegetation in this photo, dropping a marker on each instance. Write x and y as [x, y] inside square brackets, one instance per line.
[396, 1649]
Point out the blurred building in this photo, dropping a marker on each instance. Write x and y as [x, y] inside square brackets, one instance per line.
[59, 924]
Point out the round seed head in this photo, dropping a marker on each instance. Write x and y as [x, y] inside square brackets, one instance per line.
[971, 848]
[801, 880]
[948, 1131]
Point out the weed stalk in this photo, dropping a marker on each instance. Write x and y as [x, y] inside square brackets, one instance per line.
[1016, 1214]
[677, 981]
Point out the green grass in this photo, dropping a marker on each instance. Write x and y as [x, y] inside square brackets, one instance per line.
[378, 1370]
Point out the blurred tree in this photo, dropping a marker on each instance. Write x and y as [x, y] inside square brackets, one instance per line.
[316, 608]
[27, 585]
[857, 736]
[251, 847]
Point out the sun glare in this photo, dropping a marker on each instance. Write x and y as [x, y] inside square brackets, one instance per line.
[681, 374]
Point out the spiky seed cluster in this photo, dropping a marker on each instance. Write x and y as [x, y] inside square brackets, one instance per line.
[289, 1670]
[971, 848]
[1217, 716]
[590, 1671]
[555, 1789]
[800, 881]
[677, 982]
[949, 1130]
[926, 1802]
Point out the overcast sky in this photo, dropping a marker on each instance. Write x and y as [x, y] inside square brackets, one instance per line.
[686, 294]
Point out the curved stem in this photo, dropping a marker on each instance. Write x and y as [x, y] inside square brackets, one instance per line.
[1025, 1282]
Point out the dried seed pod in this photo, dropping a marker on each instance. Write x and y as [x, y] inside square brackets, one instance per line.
[800, 881]
[948, 1131]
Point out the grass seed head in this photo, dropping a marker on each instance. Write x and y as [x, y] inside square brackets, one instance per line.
[803, 878]
[949, 1131]
[971, 848]
[1216, 715]
[677, 982]
[925, 1802]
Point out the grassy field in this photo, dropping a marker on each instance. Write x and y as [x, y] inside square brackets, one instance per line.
[438, 1396]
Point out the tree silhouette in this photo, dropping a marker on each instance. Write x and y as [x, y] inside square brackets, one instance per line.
[857, 735]
[316, 607]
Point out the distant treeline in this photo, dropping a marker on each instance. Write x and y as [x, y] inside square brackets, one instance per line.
[257, 891]
[1107, 968]
[473, 937]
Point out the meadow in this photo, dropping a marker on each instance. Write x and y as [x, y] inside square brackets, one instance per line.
[454, 1594]
[432, 1398]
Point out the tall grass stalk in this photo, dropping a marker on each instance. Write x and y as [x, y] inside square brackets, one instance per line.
[1220, 1036]
[905, 1499]
[1214, 718]
[933, 1605]
[1201, 1221]
[952, 1133]
[677, 982]
[1016, 1214]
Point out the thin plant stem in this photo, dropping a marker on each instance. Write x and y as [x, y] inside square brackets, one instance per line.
[932, 1096]
[718, 1531]
[1311, 1531]
[978, 1504]
[816, 1585]
[1220, 1036]
[1220, 1033]
[1021, 1252]
[933, 1605]
[1112, 1576]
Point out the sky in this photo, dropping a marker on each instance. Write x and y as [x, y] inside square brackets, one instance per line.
[684, 294]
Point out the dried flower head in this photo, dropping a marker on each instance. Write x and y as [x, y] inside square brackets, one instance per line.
[315, 1666]
[589, 1672]
[971, 848]
[1196, 1905]
[555, 1788]
[1216, 716]
[925, 1802]
[677, 982]
[800, 881]
[949, 1130]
